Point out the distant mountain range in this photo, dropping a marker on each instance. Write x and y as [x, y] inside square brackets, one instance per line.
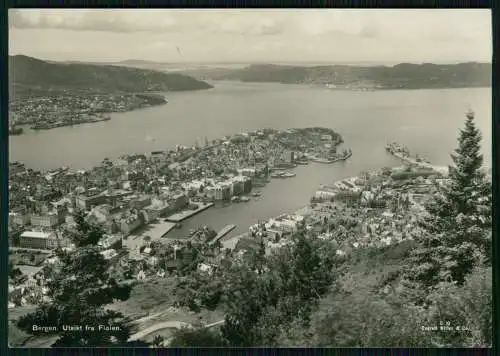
[33, 77]
[400, 76]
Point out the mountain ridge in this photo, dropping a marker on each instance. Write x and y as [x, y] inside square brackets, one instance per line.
[29, 76]
[399, 76]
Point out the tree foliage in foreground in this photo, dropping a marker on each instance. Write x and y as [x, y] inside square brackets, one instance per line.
[359, 313]
[458, 221]
[78, 292]
[202, 337]
[260, 294]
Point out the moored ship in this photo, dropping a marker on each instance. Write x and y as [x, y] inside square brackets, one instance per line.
[282, 174]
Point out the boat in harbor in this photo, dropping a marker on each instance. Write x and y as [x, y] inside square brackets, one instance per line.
[347, 154]
[302, 162]
[322, 160]
[282, 174]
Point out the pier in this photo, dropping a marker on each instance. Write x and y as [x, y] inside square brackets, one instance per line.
[183, 215]
[225, 230]
[403, 155]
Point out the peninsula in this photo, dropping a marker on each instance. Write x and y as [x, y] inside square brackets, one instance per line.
[50, 94]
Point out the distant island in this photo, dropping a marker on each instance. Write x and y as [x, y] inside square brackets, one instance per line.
[400, 76]
[50, 94]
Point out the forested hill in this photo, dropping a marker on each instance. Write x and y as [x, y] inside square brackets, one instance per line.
[32, 77]
[400, 76]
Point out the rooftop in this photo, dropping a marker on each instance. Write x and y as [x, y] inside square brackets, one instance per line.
[37, 234]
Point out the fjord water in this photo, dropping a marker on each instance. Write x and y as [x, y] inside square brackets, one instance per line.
[427, 121]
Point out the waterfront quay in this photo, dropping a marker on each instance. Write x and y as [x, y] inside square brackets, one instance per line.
[403, 154]
[183, 215]
[222, 233]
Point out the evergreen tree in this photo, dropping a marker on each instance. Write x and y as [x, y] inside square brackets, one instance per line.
[458, 217]
[200, 337]
[290, 282]
[78, 292]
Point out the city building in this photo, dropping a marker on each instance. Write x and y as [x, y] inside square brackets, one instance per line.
[110, 255]
[87, 202]
[140, 202]
[110, 226]
[19, 219]
[246, 182]
[114, 242]
[178, 201]
[41, 240]
[249, 172]
[237, 188]
[49, 220]
[192, 188]
[102, 213]
[223, 191]
[130, 224]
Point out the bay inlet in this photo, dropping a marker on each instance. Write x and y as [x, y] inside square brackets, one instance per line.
[366, 121]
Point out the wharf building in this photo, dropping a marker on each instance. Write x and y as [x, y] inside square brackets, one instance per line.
[178, 201]
[223, 191]
[156, 210]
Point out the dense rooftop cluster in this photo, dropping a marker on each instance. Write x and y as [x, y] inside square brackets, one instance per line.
[136, 194]
[54, 111]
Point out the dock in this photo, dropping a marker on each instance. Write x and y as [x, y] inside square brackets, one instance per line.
[225, 230]
[183, 215]
[421, 164]
[157, 230]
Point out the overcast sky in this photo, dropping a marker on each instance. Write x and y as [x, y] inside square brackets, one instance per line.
[332, 35]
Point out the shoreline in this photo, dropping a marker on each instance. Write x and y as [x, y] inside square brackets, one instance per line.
[412, 161]
[367, 89]
[97, 116]
[186, 214]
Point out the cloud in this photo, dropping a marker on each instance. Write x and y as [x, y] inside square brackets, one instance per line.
[143, 20]
[313, 34]
[374, 24]
[93, 20]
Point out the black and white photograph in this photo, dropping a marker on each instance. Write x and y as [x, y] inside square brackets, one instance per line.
[250, 178]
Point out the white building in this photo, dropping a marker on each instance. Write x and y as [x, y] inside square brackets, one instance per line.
[109, 254]
[41, 240]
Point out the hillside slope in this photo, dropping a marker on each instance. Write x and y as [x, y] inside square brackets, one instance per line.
[401, 76]
[33, 77]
